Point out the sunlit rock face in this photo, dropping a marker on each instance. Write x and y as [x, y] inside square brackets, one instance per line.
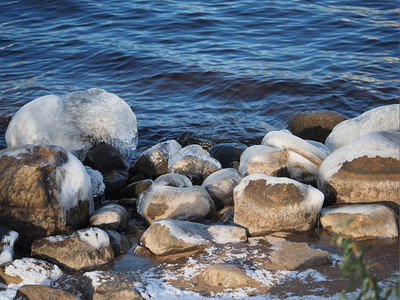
[44, 190]
[265, 204]
[77, 121]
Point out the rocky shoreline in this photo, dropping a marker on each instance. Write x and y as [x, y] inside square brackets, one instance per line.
[192, 218]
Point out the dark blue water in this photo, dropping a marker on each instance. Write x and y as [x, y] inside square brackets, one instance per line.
[220, 69]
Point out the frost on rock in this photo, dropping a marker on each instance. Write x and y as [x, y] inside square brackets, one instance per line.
[377, 119]
[7, 242]
[77, 121]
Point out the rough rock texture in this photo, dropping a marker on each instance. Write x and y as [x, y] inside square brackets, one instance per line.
[110, 285]
[315, 125]
[266, 204]
[82, 249]
[192, 203]
[363, 171]
[44, 190]
[193, 162]
[293, 256]
[42, 292]
[369, 221]
[220, 186]
[7, 240]
[226, 276]
[168, 236]
[154, 161]
[227, 153]
[378, 119]
[119, 242]
[111, 216]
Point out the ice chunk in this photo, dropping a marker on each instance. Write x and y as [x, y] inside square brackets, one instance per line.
[378, 119]
[8, 242]
[383, 143]
[77, 122]
[172, 179]
[98, 186]
[283, 139]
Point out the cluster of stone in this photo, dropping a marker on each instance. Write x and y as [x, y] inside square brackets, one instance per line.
[173, 198]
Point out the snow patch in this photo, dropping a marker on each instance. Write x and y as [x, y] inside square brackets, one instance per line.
[95, 237]
[366, 209]
[223, 234]
[8, 242]
[98, 277]
[177, 232]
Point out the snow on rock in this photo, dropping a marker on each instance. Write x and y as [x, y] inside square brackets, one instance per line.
[159, 202]
[364, 170]
[154, 161]
[42, 189]
[360, 221]
[193, 162]
[81, 249]
[76, 121]
[266, 204]
[96, 179]
[377, 119]
[172, 179]
[167, 236]
[112, 216]
[220, 185]
[8, 239]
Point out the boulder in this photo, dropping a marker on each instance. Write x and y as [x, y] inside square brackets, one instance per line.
[167, 236]
[29, 271]
[220, 185]
[134, 189]
[284, 155]
[82, 249]
[315, 125]
[360, 222]
[111, 216]
[193, 162]
[363, 171]
[98, 186]
[378, 119]
[42, 292]
[227, 153]
[154, 161]
[119, 242]
[172, 179]
[77, 121]
[265, 204]
[227, 276]
[191, 203]
[189, 138]
[115, 181]
[7, 240]
[44, 190]
[106, 158]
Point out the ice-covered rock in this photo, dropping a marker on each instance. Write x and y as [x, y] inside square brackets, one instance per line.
[377, 119]
[193, 162]
[220, 185]
[227, 276]
[76, 121]
[365, 170]
[81, 249]
[111, 216]
[44, 190]
[98, 186]
[134, 189]
[173, 179]
[154, 161]
[159, 202]
[315, 125]
[266, 204]
[360, 222]
[167, 236]
[7, 240]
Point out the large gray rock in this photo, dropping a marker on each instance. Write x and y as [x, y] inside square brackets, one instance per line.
[82, 249]
[169, 236]
[377, 119]
[193, 162]
[154, 161]
[360, 222]
[44, 190]
[220, 186]
[363, 171]
[191, 203]
[265, 204]
[111, 217]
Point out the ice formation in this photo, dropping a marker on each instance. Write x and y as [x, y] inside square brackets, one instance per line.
[195, 151]
[173, 179]
[382, 143]
[95, 237]
[76, 121]
[8, 242]
[378, 119]
[98, 186]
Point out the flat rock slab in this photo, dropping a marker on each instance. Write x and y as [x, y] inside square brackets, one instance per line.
[369, 221]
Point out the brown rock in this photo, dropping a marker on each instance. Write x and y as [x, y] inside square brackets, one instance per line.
[111, 216]
[227, 276]
[315, 125]
[44, 190]
[42, 292]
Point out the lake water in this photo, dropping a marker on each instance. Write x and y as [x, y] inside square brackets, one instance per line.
[224, 70]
